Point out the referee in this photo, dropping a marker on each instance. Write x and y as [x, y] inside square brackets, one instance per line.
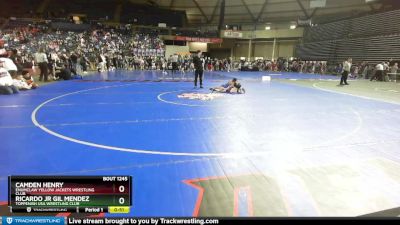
[41, 60]
[346, 71]
[174, 60]
[199, 70]
[378, 72]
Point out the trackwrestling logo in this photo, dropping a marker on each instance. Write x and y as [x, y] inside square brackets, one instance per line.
[34, 220]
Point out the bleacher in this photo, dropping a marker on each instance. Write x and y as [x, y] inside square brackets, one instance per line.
[143, 17]
[372, 49]
[372, 38]
[20, 22]
[195, 33]
[371, 25]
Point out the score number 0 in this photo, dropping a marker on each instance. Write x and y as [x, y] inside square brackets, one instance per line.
[121, 200]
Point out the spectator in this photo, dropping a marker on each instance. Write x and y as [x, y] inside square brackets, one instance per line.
[17, 60]
[6, 82]
[63, 73]
[385, 71]
[9, 65]
[393, 71]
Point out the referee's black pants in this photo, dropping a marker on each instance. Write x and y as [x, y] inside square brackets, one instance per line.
[345, 75]
[43, 71]
[174, 67]
[198, 74]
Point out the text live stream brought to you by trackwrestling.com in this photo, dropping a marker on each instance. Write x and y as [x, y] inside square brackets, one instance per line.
[115, 221]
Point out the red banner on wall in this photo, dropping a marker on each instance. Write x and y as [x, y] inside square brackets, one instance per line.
[197, 39]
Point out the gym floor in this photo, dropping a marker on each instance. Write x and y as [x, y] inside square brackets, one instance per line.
[298, 145]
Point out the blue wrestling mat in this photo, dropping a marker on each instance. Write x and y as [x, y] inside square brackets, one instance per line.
[278, 150]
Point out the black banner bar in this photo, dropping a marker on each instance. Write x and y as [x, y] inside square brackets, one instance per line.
[87, 210]
[214, 221]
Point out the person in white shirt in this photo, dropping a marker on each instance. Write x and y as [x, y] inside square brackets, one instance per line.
[3, 51]
[101, 67]
[41, 60]
[378, 72]
[21, 83]
[346, 71]
[141, 63]
[164, 66]
[9, 65]
[174, 60]
[6, 82]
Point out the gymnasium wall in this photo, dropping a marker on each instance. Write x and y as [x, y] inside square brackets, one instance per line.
[194, 46]
[264, 49]
[261, 45]
[286, 49]
[259, 48]
[172, 49]
[241, 49]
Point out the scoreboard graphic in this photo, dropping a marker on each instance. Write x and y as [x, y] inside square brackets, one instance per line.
[75, 194]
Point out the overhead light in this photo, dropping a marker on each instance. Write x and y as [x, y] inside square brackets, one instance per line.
[292, 27]
[268, 27]
[317, 3]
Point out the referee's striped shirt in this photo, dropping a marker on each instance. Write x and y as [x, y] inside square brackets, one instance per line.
[40, 58]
